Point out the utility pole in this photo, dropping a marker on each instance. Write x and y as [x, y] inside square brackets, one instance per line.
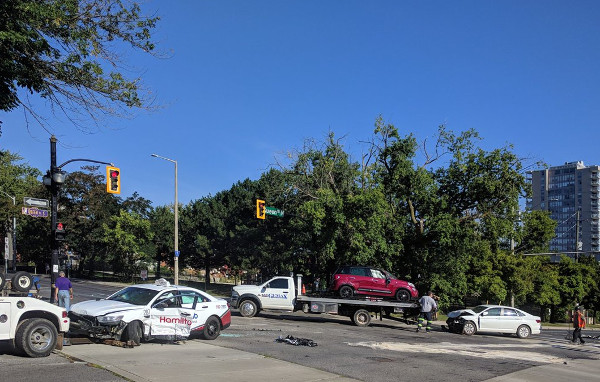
[577, 237]
[13, 237]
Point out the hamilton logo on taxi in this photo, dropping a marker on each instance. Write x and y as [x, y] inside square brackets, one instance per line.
[180, 320]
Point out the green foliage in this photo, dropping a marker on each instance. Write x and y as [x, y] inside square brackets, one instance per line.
[125, 236]
[446, 219]
[65, 51]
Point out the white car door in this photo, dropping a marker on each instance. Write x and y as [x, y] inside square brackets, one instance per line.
[490, 320]
[168, 319]
[510, 320]
[277, 294]
[199, 304]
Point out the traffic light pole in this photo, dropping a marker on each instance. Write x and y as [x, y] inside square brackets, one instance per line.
[54, 246]
[54, 181]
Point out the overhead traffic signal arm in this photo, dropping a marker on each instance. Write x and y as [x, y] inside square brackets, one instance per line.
[113, 180]
[260, 209]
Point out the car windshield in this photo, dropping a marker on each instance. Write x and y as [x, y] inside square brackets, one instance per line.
[134, 295]
[480, 308]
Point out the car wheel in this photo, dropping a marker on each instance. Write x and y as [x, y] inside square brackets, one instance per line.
[469, 328]
[133, 332]
[22, 281]
[402, 295]
[523, 331]
[346, 291]
[212, 328]
[248, 308]
[36, 337]
[361, 318]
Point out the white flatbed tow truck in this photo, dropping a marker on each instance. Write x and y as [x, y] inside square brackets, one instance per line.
[283, 293]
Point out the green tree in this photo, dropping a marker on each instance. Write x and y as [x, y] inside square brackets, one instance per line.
[64, 50]
[126, 236]
[162, 226]
[84, 207]
[19, 179]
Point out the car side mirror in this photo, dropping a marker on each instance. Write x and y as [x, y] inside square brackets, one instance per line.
[161, 305]
[484, 313]
[388, 280]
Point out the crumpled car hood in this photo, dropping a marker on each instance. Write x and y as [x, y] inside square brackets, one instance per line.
[461, 312]
[102, 307]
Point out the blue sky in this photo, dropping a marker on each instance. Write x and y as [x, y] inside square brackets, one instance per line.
[246, 81]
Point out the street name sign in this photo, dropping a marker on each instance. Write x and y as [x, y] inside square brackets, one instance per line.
[34, 212]
[33, 202]
[274, 212]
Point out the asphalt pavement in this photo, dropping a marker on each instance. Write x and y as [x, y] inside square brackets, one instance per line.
[194, 359]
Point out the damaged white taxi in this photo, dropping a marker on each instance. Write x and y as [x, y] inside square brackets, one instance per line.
[152, 311]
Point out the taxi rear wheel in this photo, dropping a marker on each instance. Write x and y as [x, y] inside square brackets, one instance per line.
[212, 328]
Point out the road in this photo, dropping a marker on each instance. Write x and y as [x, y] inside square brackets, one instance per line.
[385, 351]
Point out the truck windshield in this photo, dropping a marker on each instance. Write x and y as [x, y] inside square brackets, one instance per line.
[134, 295]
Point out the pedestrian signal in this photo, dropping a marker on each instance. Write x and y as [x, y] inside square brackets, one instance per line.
[59, 232]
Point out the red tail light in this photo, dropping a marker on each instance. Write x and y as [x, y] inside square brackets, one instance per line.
[65, 314]
[538, 321]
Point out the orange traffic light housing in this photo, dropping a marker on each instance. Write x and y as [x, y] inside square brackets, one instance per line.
[113, 180]
[260, 209]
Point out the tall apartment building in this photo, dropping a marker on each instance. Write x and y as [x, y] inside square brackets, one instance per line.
[570, 192]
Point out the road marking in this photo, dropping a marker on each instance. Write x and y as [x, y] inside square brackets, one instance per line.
[517, 351]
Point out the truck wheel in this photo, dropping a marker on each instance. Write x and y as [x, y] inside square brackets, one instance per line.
[133, 332]
[22, 281]
[36, 337]
[248, 308]
[2, 280]
[346, 291]
[212, 328]
[402, 295]
[361, 318]
[469, 328]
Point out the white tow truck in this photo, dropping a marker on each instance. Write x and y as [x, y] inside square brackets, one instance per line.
[31, 324]
[283, 293]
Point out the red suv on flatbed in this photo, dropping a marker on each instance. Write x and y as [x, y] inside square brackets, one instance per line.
[357, 280]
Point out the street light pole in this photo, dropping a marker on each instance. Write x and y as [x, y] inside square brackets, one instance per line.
[176, 254]
[14, 237]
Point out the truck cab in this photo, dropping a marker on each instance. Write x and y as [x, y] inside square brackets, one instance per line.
[279, 293]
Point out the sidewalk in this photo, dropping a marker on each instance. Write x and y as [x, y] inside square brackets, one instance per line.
[192, 361]
[573, 370]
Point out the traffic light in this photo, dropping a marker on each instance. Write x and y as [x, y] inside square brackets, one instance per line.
[59, 232]
[113, 180]
[260, 209]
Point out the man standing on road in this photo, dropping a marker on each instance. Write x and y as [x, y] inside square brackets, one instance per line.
[63, 291]
[578, 324]
[428, 306]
